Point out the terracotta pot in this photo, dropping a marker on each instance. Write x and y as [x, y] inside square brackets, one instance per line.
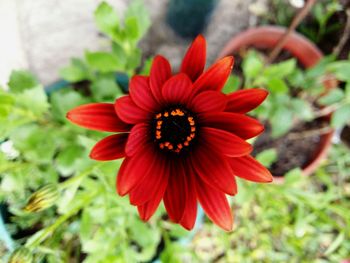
[307, 54]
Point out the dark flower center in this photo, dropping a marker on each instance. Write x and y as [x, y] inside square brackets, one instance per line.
[174, 129]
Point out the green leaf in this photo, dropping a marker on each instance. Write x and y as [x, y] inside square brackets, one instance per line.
[281, 121]
[67, 160]
[21, 80]
[281, 70]
[335, 244]
[132, 28]
[119, 52]
[302, 109]
[107, 19]
[64, 100]
[232, 84]
[36, 143]
[267, 157]
[334, 96]
[252, 64]
[341, 69]
[276, 85]
[34, 100]
[341, 116]
[105, 88]
[75, 72]
[102, 61]
[6, 103]
[137, 11]
[134, 59]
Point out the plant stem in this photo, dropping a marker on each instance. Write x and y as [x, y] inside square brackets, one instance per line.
[345, 36]
[295, 22]
[44, 233]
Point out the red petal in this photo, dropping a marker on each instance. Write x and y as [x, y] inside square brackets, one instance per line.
[194, 61]
[110, 148]
[139, 136]
[177, 89]
[155, 178]
[239, 124]
[190, 213]
[129, 112]
[215, 205]
[176, 192]
[208, 101]
[242, 101]
[147, 210]
[250, 169]
[225, 142]
[214, 169]
[133, 170]
[141, 94]
[97, 116]
[160, 72]
[215, 77]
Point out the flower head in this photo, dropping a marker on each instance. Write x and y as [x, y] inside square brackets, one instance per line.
[183, 140]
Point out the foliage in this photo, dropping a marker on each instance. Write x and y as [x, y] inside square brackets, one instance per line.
[82, 218]
[318, 25]
[303, 220]
[299, 95]
[42, 153]
[97, 70]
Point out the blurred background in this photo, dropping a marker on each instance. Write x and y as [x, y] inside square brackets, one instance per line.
[57, 205]
[43, 35]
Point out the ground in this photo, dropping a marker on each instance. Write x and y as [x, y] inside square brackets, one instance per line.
[43, 35]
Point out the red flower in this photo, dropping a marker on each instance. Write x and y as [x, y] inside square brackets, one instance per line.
[183, 140]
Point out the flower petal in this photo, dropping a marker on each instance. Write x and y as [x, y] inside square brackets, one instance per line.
[110, 148]
[215, 77]
[215, 205]
[194, 61]
[139, 136]
[97, 116]
[141, 94]
[190, 213]
[250, 169]
[208, 101]
[133, 170]
[177, 89]
[214, 169]
[176, 192]
[239, 124]
[155, 178]
[242, 101]
[160, 72]
[224, 142]
[147, 210]
[129, 112]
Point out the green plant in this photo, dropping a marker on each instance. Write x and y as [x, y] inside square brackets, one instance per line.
[52, 188]
[298, 95]
[303, 220]
[97, 70]
[317, 26]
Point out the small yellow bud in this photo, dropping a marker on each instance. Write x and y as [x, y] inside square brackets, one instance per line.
[43, 198]
[21, 255]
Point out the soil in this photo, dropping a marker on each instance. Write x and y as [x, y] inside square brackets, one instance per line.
[345, 135]
[295, 149]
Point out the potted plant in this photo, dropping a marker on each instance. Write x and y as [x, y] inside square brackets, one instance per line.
[301, 96]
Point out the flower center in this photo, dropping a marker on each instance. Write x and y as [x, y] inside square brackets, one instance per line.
[174, 129]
